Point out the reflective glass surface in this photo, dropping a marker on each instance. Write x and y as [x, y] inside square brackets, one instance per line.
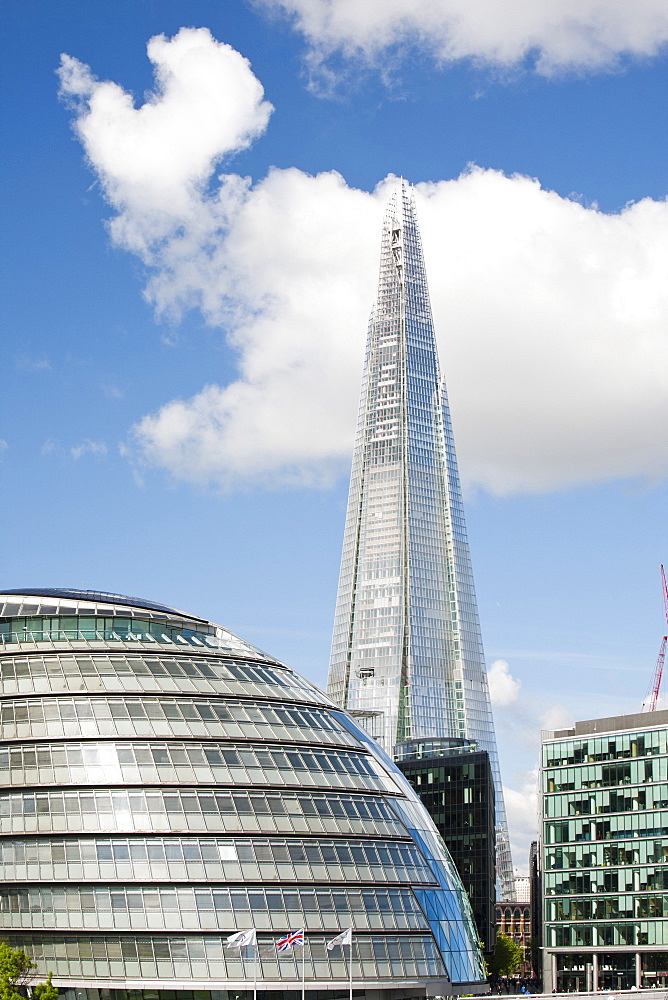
[605, 837]
[95, 763]
[229, 859]
[407, 657]
[127, 671]
[153, 800]
[208, 907]
[196, 809]
[201, 958]
[446, 906]
[150, 716]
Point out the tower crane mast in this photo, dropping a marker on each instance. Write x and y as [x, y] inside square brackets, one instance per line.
[649, 704]
[652, 696]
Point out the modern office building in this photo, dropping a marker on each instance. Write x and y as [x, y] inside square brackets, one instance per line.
[604, 852]
[453, 780]
[536, 901]
[407, 657]
[165, 784]
[522, 888]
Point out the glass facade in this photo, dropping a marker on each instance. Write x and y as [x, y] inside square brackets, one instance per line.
[454, 783]
[163, 784]
[407, 657]
[605, 848]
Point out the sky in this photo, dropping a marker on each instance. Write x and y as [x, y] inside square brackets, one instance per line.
[192, 198]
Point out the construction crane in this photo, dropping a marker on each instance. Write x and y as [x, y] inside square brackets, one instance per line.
[652, 696]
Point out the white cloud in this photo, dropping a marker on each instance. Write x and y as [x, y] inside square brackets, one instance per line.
[3, 445]
[504, 689]
[551, 315]
[88, 447]
[553, 35]
[525, 722]
[557, 717]
[522, 812]
[155, 161]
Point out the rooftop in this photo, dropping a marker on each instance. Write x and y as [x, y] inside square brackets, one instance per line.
[100, 596]
[613, 724]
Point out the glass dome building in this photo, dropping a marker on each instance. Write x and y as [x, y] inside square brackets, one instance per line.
[164, 784]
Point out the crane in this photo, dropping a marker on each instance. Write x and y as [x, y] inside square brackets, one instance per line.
[652, 696]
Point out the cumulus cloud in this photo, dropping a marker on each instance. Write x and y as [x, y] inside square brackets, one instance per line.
[155, 161]
[522, 811]
[522, 801]
[551, 315]
[504, 689]
[552, 35]
[557, 717]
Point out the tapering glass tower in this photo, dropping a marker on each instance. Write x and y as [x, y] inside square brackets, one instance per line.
[407, 656]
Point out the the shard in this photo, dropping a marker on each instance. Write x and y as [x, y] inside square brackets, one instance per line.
[407, 655]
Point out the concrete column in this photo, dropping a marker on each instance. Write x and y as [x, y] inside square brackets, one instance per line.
[594, 971]
[638, 969]
[553, 970]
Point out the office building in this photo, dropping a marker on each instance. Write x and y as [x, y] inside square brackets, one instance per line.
[407, 658]
[165, 785]
[453, 780]
[604, 852]
[522, 888]
[536, 901]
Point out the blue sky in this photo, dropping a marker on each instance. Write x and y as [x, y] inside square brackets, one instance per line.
[134, 279]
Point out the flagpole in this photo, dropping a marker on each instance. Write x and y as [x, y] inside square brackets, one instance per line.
[303, 966]
[350, 968]
[257, 948]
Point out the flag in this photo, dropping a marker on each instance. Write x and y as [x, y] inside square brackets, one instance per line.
[242, 939]
[290, 939]
[343, 939]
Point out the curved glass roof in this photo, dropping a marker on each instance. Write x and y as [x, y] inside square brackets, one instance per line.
[29, 603]
[94, 595]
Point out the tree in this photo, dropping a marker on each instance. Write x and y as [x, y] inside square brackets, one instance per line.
[16, 972]
[507, 956]
[45, 991]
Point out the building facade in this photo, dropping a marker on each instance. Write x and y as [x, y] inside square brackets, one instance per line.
[604, 852]
[536, 900]
[514, 920]
[407, 657]
[522, 888]
[453, 780]
[164, 785]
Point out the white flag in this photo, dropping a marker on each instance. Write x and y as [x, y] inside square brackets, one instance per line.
[242, 939]
[344, 938]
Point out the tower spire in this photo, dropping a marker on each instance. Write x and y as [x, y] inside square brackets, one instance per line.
[407, 657]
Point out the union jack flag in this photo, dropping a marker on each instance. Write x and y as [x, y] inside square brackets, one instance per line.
[290, 939]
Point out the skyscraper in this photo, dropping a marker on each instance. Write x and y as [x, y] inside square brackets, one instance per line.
[407, 658]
